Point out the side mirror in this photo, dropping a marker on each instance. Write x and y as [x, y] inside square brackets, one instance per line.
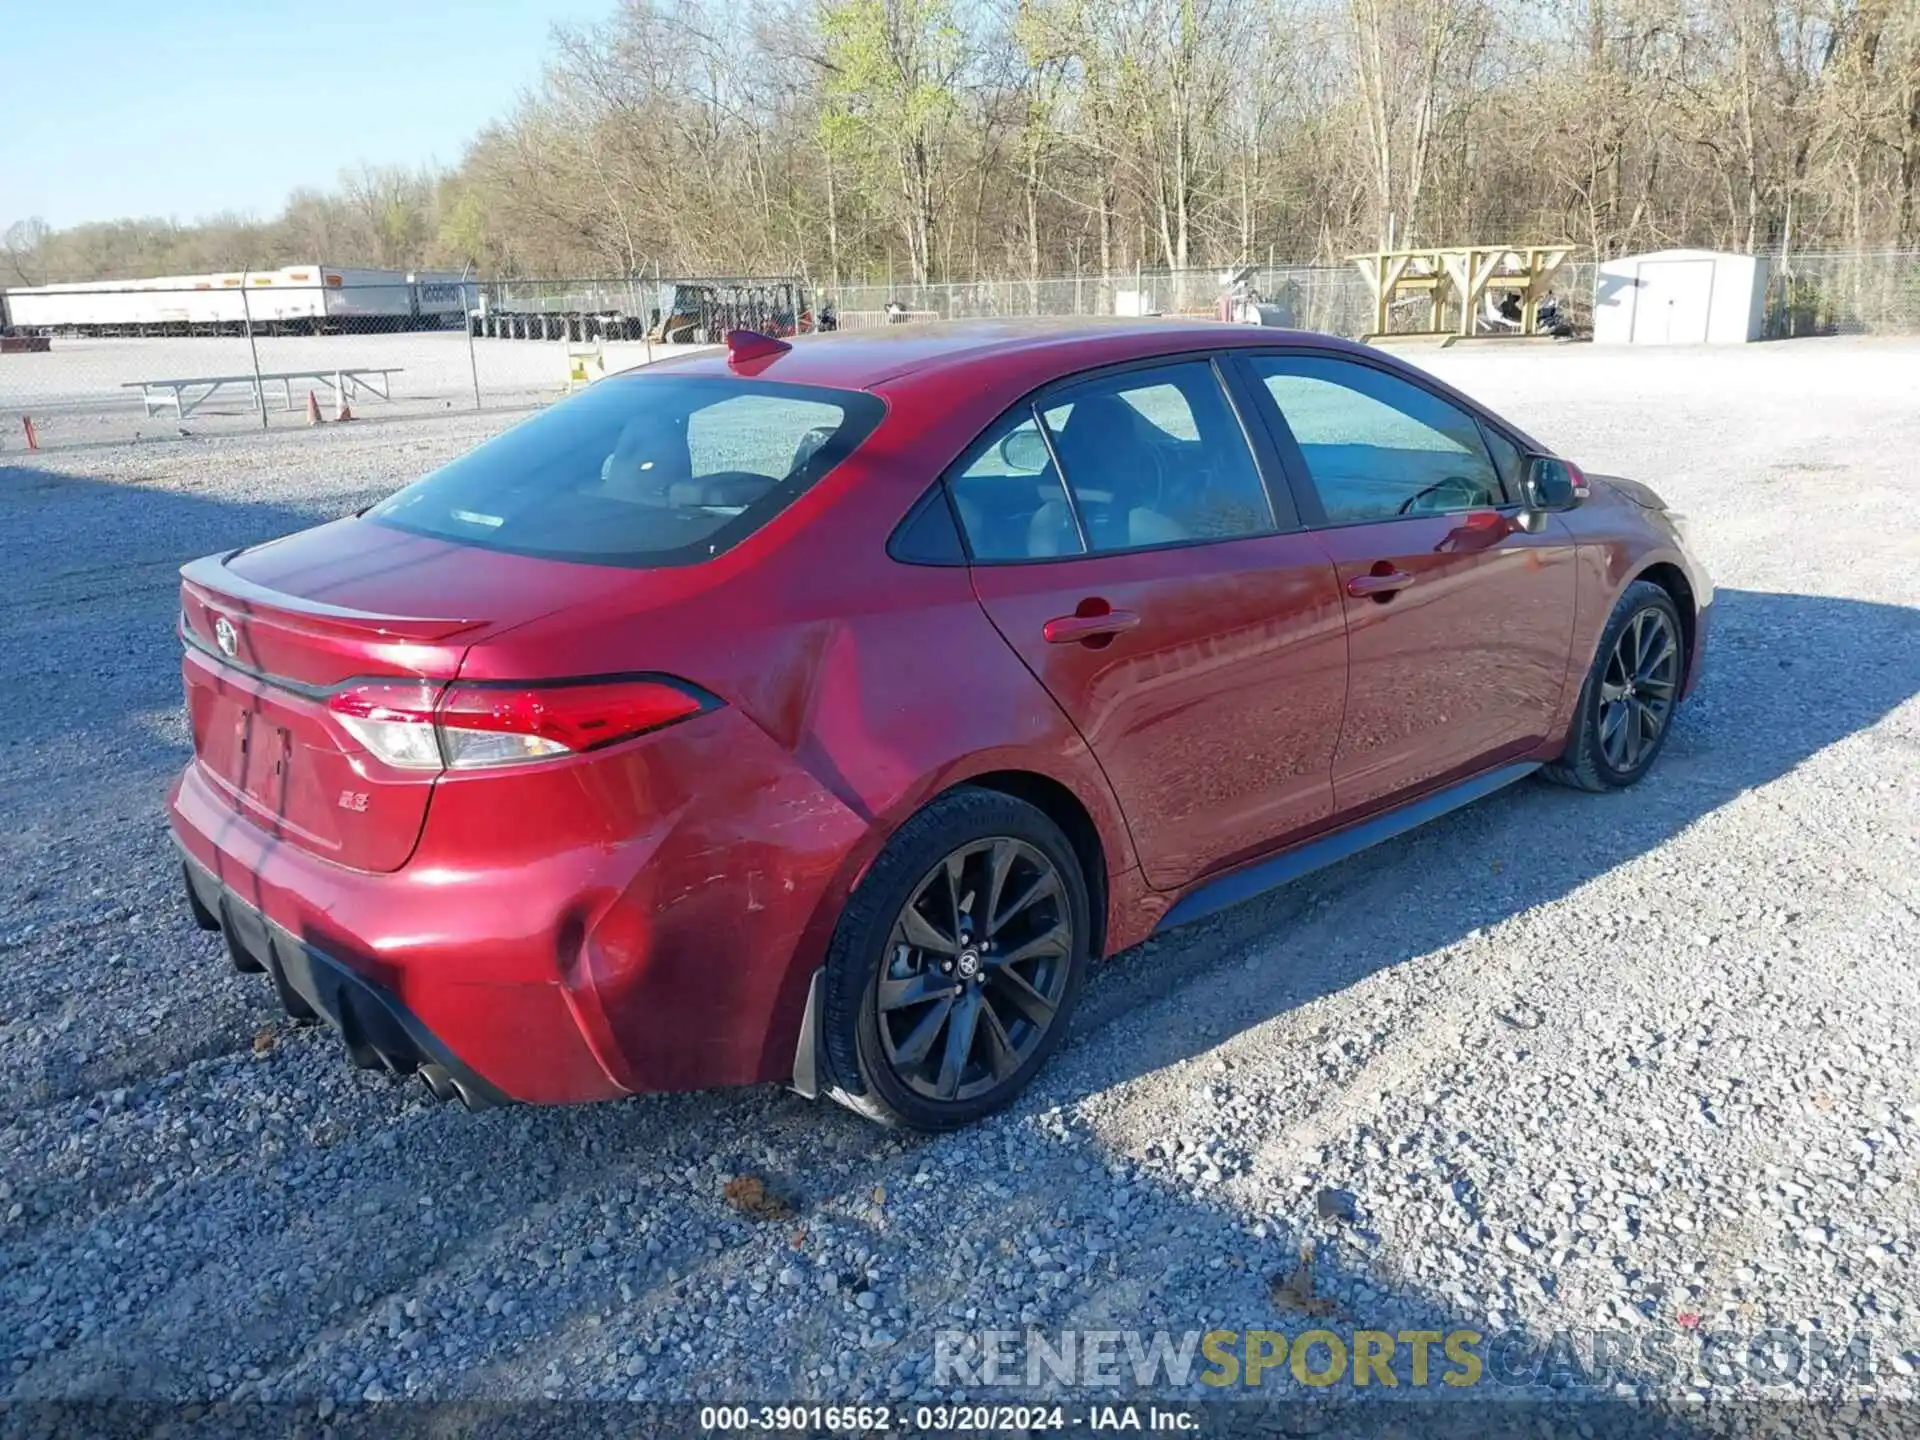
[1551, 484]
[1025, 451]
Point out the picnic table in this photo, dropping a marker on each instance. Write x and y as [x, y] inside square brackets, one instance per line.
[345, 381]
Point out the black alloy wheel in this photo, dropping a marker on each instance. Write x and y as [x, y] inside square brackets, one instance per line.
[956, 963]
[976, 967]
[1626, 704]
[1638, 689]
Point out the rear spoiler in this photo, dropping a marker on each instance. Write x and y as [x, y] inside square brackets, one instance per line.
[210, 581]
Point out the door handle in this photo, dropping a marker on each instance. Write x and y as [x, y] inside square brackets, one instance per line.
[1383, 582]
[1079, 629]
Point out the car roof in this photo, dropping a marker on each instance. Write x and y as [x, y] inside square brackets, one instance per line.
[866, 359]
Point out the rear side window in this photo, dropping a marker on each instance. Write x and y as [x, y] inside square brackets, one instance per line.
[1155, 457]
[1151, 457]
[1009, 496]
[641, 470]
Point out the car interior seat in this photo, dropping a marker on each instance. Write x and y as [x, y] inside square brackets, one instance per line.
[649, 461]
[651, 464]
[1111, 455]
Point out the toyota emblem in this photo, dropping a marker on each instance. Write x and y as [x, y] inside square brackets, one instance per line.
[225, 637]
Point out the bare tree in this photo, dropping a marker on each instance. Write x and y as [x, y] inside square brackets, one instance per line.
[22, 246]
[861, 138]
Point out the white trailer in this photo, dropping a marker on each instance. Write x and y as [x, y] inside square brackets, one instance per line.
[309, 298]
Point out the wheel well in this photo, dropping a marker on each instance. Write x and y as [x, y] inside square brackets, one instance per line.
[1063, 807]
[1673, 580]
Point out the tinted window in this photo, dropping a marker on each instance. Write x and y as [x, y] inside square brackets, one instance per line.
[1160, 404]
[1008, 495]
[1155, 457]
[928, 536]
[1377, 446]
[758, 434]
[639, 470]
[1507, 459]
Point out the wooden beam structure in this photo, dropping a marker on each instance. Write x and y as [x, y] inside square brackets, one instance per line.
[1460, 276]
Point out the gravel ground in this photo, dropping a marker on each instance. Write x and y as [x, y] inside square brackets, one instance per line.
[1641, 1063]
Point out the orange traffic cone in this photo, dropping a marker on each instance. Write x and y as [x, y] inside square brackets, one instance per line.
[343, 413]
[313, 408]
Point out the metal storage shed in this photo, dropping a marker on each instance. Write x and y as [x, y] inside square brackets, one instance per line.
[1680, 297]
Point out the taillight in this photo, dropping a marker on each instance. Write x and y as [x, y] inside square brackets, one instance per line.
[477, 724]
[486, 724]
[1581, 489]
[394, 720]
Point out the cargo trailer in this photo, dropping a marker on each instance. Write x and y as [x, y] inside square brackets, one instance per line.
[305, 299]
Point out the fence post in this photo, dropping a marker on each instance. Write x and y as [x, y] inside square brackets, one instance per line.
[466, 323]
[246, 315]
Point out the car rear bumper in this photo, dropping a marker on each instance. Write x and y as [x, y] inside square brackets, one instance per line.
[379, 1032]
[413, 969]
[583, 931]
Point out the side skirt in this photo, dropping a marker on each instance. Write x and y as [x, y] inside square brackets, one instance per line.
[1230, 889]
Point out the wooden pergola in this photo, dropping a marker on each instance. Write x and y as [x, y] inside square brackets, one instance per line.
[1461, 275]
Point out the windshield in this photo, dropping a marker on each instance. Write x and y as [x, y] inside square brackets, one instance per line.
[639, 470]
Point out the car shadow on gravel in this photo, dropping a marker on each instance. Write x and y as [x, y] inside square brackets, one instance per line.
[1786, 676]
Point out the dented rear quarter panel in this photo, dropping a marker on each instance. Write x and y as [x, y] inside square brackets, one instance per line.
[854, 689]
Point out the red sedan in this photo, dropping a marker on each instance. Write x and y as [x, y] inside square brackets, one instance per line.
[816, 712]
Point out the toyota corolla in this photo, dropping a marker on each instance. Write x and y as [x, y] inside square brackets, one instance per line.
[818, 712]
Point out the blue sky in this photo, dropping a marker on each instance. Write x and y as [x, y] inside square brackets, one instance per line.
[188, 107]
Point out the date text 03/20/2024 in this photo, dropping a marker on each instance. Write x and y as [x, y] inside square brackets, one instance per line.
[959, 1418]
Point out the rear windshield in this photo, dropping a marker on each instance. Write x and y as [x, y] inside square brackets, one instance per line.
[639, 470]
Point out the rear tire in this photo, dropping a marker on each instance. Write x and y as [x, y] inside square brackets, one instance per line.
[975, 920]
[1627, 701]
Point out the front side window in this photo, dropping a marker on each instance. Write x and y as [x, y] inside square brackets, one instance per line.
[1507, 459]
[1377, 447]
[639, 470]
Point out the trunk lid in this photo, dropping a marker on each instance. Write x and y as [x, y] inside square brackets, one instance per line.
[271, 631]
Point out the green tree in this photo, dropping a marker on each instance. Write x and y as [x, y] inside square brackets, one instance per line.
[893, 69]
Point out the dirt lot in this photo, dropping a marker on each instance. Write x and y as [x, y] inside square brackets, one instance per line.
[1643, 1064]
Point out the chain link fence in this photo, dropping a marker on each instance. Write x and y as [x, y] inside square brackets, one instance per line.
[670, 311]
[105, 363]
[1844, 293]
[1332, 299]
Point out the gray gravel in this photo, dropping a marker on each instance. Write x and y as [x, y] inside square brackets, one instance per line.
[1556, 1062]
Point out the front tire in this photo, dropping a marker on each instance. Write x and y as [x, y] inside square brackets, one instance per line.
[1626, 705]
[956, 965]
